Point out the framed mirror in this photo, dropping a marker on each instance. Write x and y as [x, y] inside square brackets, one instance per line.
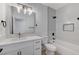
[22, 23]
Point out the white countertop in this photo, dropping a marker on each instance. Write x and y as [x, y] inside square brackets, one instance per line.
[17, 40]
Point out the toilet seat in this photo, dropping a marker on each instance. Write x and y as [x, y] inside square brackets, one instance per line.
[50, 47]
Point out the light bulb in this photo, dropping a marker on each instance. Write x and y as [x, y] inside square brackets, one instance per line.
[19, 8]
[29, 10]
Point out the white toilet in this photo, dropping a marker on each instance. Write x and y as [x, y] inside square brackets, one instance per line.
[50, 49]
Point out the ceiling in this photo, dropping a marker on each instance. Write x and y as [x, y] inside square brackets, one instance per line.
[55, 5]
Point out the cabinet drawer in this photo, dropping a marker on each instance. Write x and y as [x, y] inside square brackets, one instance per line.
[37, 52]
[27, 50]
[37, 42]
[37, 47]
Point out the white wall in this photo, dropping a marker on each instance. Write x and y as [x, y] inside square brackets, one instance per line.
[41, 18]
[2, 17]
[51, 23]
[67, 40]
[44, 19]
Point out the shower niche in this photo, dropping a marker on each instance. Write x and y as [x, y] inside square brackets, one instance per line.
[68, 27]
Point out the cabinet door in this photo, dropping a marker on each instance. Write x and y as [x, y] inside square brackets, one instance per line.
[27, 50]
[37, 50]
[11, 53]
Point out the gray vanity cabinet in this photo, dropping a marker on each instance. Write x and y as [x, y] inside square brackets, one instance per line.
[23, 51]
[27, 50]
[23, 48]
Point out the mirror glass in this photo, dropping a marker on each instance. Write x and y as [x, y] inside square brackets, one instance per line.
[22, 23]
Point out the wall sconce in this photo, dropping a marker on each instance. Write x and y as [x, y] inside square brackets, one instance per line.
[4, 23]
[26, 9]
[19, 8]
[29, 11]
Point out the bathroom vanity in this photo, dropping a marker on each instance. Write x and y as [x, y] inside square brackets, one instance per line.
[20, 23]
[24, 46]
